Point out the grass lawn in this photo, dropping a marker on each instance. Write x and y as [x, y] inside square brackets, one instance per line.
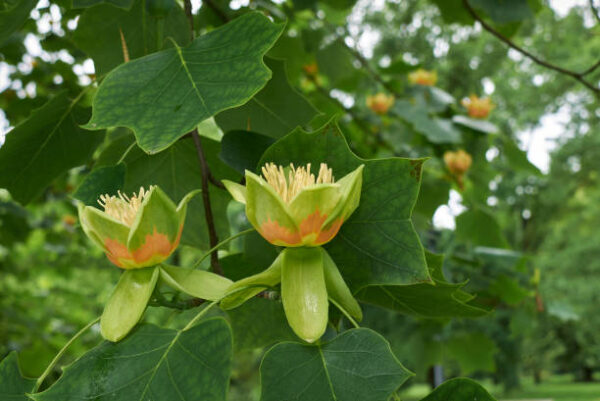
[556, 388]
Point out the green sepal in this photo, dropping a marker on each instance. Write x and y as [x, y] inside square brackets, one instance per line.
[237, 191]
[304, 293]
[127, 302]
[263, 203]
[182, 206]
[337, 288]
[256, 283]
[350, 189]
[323, 198]
[157, 213]
[99, 226]
[197, 283]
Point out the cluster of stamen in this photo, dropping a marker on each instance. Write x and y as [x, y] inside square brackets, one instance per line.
[123, 208]
[297, 178]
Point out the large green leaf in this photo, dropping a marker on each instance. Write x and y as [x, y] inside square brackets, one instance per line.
[13, 17]
[258, 323]
[138, 28]
[13, 386]
[125, 4]
[242, 149]
[177, 171]
[504, 11]
[44, 146]
[378, 244]
[436, 130]
[163, 96]
[274, 111]
[356, 365]
[460, 389]
[102, 180]
[473, 351]
[152, 364]
[479, 227]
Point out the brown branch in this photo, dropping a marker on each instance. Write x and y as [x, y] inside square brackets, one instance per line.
[579, 76]
[213, 239]
[595, 11]
[220, 13]
[208, 214]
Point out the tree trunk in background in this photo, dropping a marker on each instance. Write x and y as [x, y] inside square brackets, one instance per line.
[537, 376]
[587, 374]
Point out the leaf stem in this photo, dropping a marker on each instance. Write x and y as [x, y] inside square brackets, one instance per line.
[41, 379]
[345, 313]
[220, 244]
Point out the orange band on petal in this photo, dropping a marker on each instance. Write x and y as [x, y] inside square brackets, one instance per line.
[278, 235]
[328, 234]
[156, 244]
[312, 226]
[115, 251]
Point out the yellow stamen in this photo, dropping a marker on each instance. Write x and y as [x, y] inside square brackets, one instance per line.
[298, 178]
[124, 208]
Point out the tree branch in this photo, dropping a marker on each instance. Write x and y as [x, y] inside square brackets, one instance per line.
[579, 76]
[208, 214]
[595, 11]
[220, 13]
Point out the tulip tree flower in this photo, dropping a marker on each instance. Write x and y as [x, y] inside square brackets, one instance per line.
[458, 164]
[478, 107]
[138, 233]
[423, 77]
[380, 103]
[290, 207]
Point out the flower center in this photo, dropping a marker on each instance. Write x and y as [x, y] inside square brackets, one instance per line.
[124, 208]
[297, 179]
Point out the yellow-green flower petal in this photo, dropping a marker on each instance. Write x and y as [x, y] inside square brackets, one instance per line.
[304, 293]
[267, 213]
[237, 191]
[197, 283]
[337, 289]
[127, 303]
[246, 288]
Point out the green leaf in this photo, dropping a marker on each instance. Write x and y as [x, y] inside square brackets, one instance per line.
[44, 146]
[197, 283]
[274, 111]
[12, 18]
[127, 302]
[517, 159]
[378, 244]
[422, 300]
[152, 363]
[335, 62]
[138, 28]
[13, 223]
[504, 11]
[460, 389]
[436, 130]
[508, 290]
[177, 172]
[242, 149]
[474, 352]
[163, 96]
[356, 365]
[124, 4]
[479, 227]
[258, 323]
[476, 124]
[103, 180]
[13, 386]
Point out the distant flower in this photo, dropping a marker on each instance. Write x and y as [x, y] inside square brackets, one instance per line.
[458, 163]
[380, 103]
[311, 69]
[138, 231]
[423, 77]
[478, 107]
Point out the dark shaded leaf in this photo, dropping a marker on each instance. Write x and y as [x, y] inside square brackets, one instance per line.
[103, 180]
[242, 149]
[44, 146]
[13, 386]
[356, 365]
[460, 389]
